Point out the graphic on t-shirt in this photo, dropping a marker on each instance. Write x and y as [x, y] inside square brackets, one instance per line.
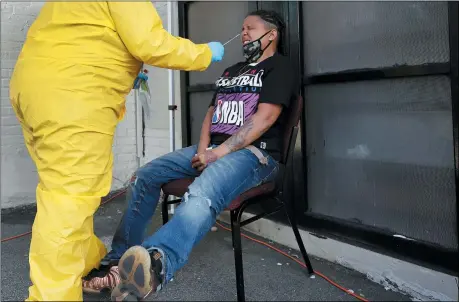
[236, 101]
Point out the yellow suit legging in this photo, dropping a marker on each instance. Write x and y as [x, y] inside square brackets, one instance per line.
[73, 155]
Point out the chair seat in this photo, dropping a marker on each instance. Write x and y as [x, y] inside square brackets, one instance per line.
[180, 186]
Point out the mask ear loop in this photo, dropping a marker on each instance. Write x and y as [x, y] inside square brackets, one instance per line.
[270, 41]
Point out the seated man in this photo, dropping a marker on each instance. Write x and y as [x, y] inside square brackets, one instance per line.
[246, 110]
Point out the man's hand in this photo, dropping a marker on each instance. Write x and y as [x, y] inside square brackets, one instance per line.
[202, 148]
[201, 160]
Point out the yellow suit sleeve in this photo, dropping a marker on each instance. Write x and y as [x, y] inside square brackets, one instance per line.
[141, 29]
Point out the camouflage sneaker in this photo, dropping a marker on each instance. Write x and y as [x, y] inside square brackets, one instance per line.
[141, 275]
[101, 280]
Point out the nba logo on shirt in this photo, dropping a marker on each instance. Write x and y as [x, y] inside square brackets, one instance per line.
[262, 145]
[217, 112]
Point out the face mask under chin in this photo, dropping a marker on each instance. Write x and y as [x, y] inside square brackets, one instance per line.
[253, 51]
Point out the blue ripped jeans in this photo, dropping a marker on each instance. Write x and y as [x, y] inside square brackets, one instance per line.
[210, 193]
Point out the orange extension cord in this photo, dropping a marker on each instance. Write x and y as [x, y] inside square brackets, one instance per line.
[347, 291]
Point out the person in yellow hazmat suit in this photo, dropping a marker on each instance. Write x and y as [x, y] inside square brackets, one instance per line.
[68, 89]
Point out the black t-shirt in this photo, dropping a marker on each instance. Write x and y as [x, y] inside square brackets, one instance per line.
[239, 91]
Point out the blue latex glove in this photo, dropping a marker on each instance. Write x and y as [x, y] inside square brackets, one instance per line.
[217, 51]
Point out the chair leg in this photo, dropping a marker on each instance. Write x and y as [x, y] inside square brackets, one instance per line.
[293, 223]
[237, 246]
[233, 218]
[164, 209]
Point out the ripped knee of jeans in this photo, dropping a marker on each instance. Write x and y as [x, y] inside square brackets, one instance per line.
[133, 181]
[196, 206]
[201, 197]
[133, 178]
[135, 192]
[139, 181]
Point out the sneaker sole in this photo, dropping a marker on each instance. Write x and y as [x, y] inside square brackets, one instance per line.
[134, 268]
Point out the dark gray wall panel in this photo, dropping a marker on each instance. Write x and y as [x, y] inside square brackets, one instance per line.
[353, 35]
[381, 153]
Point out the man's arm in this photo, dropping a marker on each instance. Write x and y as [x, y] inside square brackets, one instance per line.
[253, 128]
[204, 139]
[141, 30]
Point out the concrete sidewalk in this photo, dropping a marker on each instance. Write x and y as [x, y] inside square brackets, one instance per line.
[209, 274]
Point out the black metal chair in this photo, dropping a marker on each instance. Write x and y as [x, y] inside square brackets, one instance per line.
[272, 190]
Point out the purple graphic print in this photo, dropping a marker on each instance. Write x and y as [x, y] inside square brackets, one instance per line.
[231, 110]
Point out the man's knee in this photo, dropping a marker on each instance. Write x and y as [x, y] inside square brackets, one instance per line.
[197, 207]
[145, 175]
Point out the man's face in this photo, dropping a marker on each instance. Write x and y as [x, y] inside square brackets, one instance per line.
[253, 28]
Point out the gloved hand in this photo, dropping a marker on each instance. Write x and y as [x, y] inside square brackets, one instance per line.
[217, 50]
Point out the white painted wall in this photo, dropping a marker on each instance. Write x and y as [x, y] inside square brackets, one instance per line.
[18, 173]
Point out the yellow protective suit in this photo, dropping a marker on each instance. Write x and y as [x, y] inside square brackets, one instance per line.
[68, 91]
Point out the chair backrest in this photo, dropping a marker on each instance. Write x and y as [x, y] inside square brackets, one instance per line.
[292, 120]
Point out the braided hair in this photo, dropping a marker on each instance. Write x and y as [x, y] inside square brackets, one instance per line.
[273, 21]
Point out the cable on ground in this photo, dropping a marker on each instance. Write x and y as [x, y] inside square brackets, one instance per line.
[347, 291]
